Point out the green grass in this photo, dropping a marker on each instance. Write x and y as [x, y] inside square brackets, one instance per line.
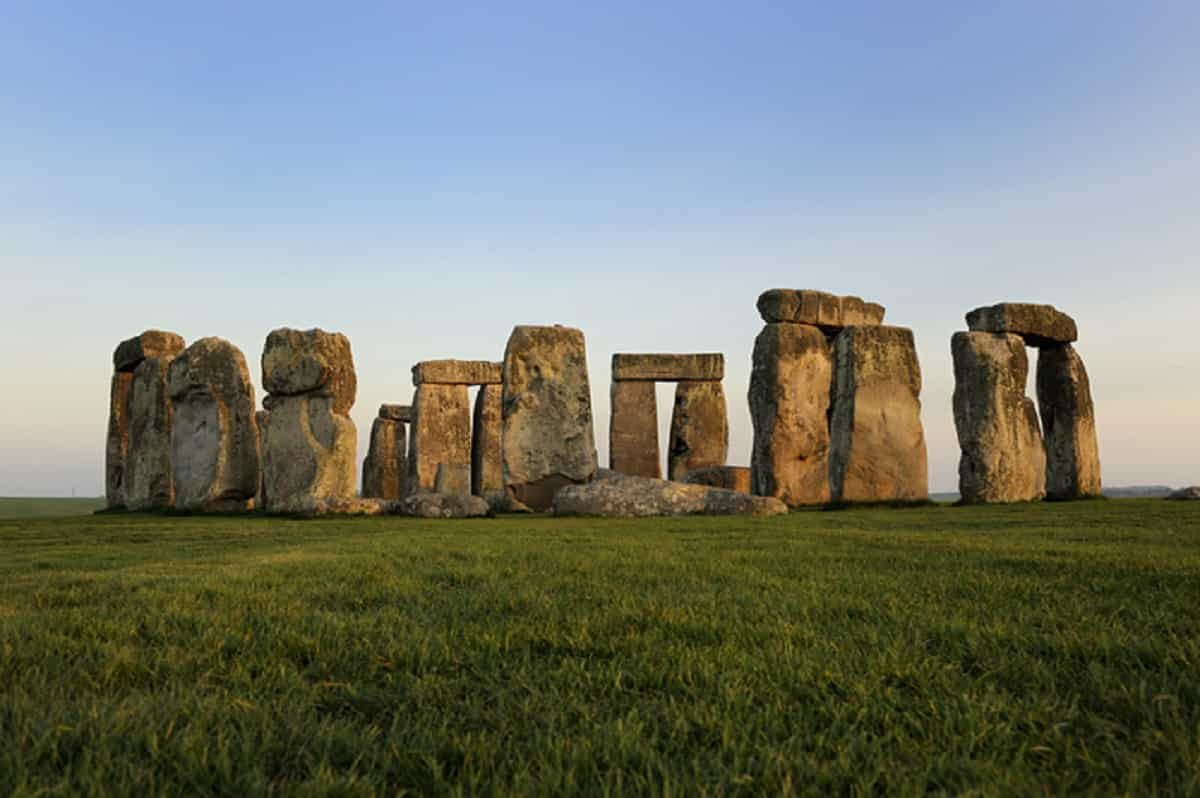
[1014, 650]
[16, 507]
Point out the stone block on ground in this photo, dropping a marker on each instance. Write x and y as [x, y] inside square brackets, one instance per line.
[442, 505]
[817, 308]
[1003, 458]
[313, 362]
[877, 443]
[735, 478]
[548, 439]
[1068, 424]
[708, 366]
[789, 402]
[699, 428]
[622, 496]
[456, 372]
[633, 430]
[214, 439]
[1038, 325]
[440, 433]
[487, 463]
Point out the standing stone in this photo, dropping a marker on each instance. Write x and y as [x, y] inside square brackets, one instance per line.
[260, 422]
[699, 428]
[441, 433]
[1003, 459]
[548, 440]
[147, 478]
[877, 443]
[487, 466]
[309, 452]
[1069, 423]
[385, 468]
[633, 430]
[789, 402]
[453, 479]
[214, 440]
[116, 445]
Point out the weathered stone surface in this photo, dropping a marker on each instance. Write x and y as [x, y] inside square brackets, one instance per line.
[621, 496]
[349, 505]
[728, 477]
[699, 428]
[440, 433]
[116, 443]
[877, 443]
[817, 308]
[548, 437]
[453, 479]
[1003, 458]
[313, 362]
[709, 366]
[456, 372]
[789, 401]
[1185, 494]
[633, 430]
[385, 468]
[147, 477]
[442, 505]
[1038, 325]
[396, 412]
[309, 455]
[487, 462]
[214, 440]
[130, 353]
[1068, 423]
[261, 418]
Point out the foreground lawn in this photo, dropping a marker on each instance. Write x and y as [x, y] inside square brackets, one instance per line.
[47, 508]
[1030, 649]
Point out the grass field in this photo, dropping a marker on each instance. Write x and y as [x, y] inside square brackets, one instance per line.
[47, 508]
[1008, 650]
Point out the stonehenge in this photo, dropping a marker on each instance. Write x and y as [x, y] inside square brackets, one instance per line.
[1007, 455]
[309, 449]
[547, 440]
[385, 468]
[214, 438]
[441, 436]
[699, 423]
[835, 403]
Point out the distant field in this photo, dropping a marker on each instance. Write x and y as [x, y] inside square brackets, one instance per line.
[1036, 649]
[47, 508]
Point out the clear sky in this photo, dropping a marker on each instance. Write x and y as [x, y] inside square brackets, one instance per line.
[423, 176]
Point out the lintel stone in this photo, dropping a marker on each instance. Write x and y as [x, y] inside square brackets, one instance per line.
[457, 372]
[818, 308]
[703, 367]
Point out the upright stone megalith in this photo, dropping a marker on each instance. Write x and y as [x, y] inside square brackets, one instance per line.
[789, 402]
[146, 474]
[441, 433]
[548, 440]
[309, 460]
[1003, 458]
[385, 468]
[1069, 423]
[487, 425]
[877, 443]
[214, 439]
[633, 429]
[699, 428]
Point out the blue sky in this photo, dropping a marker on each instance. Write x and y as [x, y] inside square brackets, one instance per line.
[424, 176]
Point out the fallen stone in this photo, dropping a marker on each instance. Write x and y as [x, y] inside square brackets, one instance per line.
[817, 308]
[1003, 457]
[877, 443]
[728, 477]
[633, 430]
[214, 440]
[116, 443]
[1185, 494]
[548, 440]
[456, 372]
[312, 362]
[621, 496]
[1068, 423]
[396, 413]
[130, 353]
[1038, 325]
[147, 479]
[385, 468]
[349, 505]
[668, 368]
[487, 461]
[789, 403]
[440, 433]
[439, 505]
[699, 428]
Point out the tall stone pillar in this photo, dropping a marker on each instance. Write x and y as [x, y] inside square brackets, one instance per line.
[145, 432]
[633, 430]
[385, 468]
[699, 428]
[1069, 422]
[487, 463]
